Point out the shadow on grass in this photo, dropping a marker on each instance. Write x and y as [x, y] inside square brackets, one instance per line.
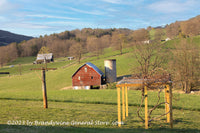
[58, 129]
[96, 102]
[182, 121]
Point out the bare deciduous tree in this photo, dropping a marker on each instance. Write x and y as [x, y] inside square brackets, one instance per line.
[76, 50]
[159, 33]
[173, 30]
[140, 35]
[8, 53]
[148, 57]
[2, 54]
[106, 40]
[191, 27]
[95, 45]
[118, 41]
[186, 64]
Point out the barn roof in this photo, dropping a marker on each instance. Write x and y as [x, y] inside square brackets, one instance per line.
[43, 56]
[90, 65]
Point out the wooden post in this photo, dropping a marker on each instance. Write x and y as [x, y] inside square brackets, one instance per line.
[45, 62]
[119, 107]
[20, 69]
[166, 100]
[44, 89]
[146, 107]
[126, 89]
[170, 106]
[44, 84]
[167, 104]
[123, 104]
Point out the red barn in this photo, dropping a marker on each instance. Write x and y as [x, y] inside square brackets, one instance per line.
[86, 76]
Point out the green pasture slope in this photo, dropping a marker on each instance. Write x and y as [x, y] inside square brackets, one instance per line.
[21, 106]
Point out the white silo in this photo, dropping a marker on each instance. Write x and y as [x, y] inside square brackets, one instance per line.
[110, 70]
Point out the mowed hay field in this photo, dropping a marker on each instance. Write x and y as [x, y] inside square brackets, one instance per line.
[21, 103]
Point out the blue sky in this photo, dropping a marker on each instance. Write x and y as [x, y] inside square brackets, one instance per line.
[40, 17]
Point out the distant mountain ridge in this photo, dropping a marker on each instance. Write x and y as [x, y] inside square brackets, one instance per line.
[8, 37]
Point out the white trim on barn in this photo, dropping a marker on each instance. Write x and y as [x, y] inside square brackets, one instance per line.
[81, 87]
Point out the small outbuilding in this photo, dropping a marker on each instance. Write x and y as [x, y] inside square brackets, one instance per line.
[86, 76]
[44, 57]
[70, 58]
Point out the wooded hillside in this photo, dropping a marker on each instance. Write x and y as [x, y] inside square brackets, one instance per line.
[77, 42]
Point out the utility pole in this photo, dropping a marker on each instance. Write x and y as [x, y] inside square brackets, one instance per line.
[44, 84]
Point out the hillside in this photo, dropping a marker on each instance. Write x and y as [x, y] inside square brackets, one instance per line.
[62, 77]
[8, 37]
[21, 99]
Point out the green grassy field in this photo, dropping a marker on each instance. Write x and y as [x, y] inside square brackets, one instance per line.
[96, 109]
[123, 62]
[60, 78]
[22, 110]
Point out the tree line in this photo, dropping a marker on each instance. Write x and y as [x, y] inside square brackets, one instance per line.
[77, 42]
